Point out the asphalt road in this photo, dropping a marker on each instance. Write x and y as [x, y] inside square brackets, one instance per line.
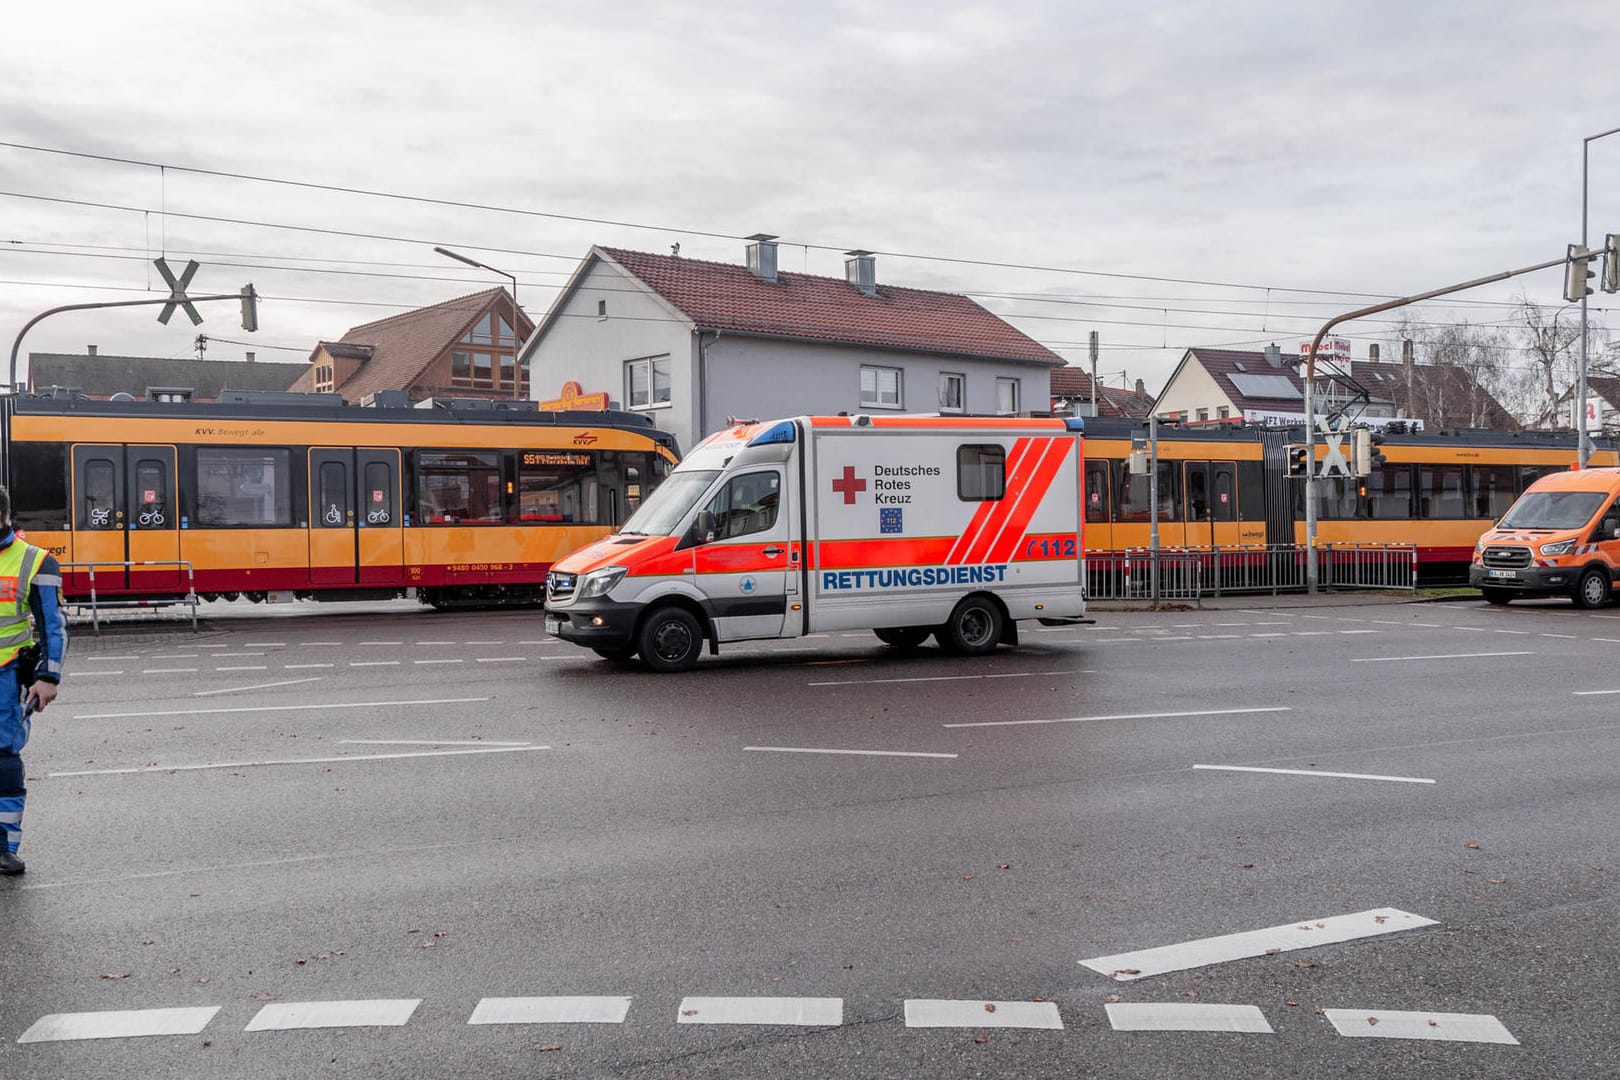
[427, 812]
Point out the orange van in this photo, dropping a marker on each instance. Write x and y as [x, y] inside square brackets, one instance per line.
[1561, 538]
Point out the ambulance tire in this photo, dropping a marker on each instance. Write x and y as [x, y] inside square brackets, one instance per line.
[903, 637]
[671, 639]
[974, 628]
[1592, 590]
[620, 655]
[1496, 596]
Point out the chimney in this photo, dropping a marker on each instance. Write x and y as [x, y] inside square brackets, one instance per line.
[1274, 355]
[91, 349]
[860, 270]
[249, 357]
[1372, 352]
[762, 256]
[1141, 390]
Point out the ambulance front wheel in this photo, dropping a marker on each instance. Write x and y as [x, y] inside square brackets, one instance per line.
[671, 639]
[903, 637]
[973, 629]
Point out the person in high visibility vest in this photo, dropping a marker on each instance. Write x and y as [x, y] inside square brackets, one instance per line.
[30, 587]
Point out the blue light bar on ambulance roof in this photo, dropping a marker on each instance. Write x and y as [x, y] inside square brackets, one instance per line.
[1074, 423]
[781, 432]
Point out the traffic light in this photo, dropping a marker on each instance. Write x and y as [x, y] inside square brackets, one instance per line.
[250, 307]
[1611, 263]
[1297, 461]
[1576, 271]
[1368, 458]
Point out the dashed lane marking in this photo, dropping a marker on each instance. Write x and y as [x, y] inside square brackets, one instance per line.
[428, 742]
[1126, 967]
[258, 686]
[341, 759]
[798, 1011]
[950, 678]
[175, 656]
[382, 643]
[936, 1012]
[551, 1010]
[1566, 637]
[483, 643]
[1594, 693]
[85, 674]
[1445, 1027]
[501, 659]
[281, 708]
[169, 671]
[233, 655]
[1122, 716]
[280, 644]
[300, 667]
[373, 663]
[382, 1012]
[859, 753]
[243, 667]
[1180, 1016]
[1317, 772]
[436, 643]
[1443, 656]
[128, 1024]
[438, 661]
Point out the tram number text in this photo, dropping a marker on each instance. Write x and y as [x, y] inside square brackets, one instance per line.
[457, 568]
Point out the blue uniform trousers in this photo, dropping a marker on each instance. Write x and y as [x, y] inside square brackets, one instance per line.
[13, 737]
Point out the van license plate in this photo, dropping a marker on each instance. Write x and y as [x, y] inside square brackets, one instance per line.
[554, 626]
[1504, 573]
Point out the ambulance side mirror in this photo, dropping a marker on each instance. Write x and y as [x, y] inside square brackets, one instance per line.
[703, 529]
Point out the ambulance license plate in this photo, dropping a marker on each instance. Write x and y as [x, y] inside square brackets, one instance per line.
[1504, 573]
[554, 626]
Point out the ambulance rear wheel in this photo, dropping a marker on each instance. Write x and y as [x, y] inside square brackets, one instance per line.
[619, 655]
[903, 637]
[973, 629]
[671, 639]
[1593, 589]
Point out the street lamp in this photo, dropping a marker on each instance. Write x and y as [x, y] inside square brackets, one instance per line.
[517, 317]
[1585, 445]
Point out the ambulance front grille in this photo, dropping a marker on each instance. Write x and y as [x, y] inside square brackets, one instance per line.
[560, 587]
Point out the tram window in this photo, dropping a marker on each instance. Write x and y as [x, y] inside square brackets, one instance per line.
[1389, 493]
[1336, 497]
[1223, 493]
[1493, 490]
[1252, 491]
[151, 496]
[243, 487]
[632, 487]
[332, 512]
[1132, 503]
[1097, 491]
[1440, 491]
[1198, 508]
[560, 487]
[1529, 474]
[97, 493]
[378, 494]
[458, 487]
[39, 494]
[981, 472]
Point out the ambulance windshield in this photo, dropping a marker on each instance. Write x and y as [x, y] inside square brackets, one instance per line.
[663, 510]
[1552, 510]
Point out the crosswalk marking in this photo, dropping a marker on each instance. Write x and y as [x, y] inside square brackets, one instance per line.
[551, 1010]
[935, 1012]
[126, 1024]
[1444, 1027]
[800, 1011]
[1187, 1016]
[380, 1012]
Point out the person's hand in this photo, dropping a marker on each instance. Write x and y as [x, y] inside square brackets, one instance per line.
[41, 694]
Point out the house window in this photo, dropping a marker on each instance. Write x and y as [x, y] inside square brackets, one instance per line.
[952, 391]
[601, 309]
[485, 359]
[881, 387]
[1007, 396]
[1224, 412]
[646, 382]
[1203, 414]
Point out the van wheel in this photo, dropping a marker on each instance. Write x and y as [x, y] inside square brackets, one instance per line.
[973, 629]
[1496, 596]
[671, 639]
[1592, 590]
[903, 637]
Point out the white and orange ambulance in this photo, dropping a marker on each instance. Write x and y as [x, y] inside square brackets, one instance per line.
[910, 526]
[1562, 537]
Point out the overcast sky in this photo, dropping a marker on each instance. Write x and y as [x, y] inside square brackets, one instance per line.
[1353, 146]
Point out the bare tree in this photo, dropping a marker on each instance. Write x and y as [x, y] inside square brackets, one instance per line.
[1552, 342]
[1461, 373]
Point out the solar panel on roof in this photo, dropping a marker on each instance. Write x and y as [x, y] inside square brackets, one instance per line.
[1265, 386]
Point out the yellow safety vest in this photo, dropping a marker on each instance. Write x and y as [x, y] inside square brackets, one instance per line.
[18, 563]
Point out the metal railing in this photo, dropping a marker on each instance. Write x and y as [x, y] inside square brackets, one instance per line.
[1192, 573]
[96, 604]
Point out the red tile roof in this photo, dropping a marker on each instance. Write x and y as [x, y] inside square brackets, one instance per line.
[1075, 385]
[1222, 364]
[727, 296]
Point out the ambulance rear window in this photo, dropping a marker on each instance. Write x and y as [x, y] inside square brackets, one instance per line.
[981, 472]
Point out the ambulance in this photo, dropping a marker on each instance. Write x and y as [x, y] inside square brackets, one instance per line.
[909, 526]
[1561, 538]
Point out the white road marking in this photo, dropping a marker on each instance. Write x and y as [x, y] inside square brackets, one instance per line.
[863, 753]
[1317, 772]
[1566, 637]
[1427, 625]
[1594, 693]
[1218, 637]
[1125, 967]
[1605, 640]
[1316, 616]
[501, 659]
[436, 643]
[280, 644]
[342, 759]
[382, 643]
[243, 667]
[1231, 624]
[128, 1024]
[85, 674]
[233, 655]
[167, 670]
[1445, 1027]
[313, 643]
[1446, 656]
[257, 686]
[948, 678]
[1361, 631]
[174, 656]
[934, 1013]
[280, 708]
[1526, 632]
[111, 658]
[297, 667]
[1268, 635]
[427, 742]
[1123, 716]
[483, 643]
[1172, 637]
[1186, 1016]
[1311, 633]
[547, 641]
[1276, 622]
[458, 661]
[551, 1010]
[381, 1012]
[801, 1011]
[373, 663]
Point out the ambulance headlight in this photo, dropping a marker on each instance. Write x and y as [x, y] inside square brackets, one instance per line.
[600, 582]
[1563, 547]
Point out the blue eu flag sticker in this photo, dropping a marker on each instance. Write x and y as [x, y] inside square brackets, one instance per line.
[889, 519]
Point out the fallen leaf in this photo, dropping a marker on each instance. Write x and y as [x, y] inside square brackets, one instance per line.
[967, 877]
[1190, 993]
[1380, 919]
[300, 961]
[1273, 952]
[688, 1012]
[430, 944]
[202, 980]
[849, 967]
[174, 971]
[1113, 997]
[1004, 866]
[546, 1049]
[418, 930]
[1293, 1004]
[1304, 964]
[1248, 866]
[1124, 971]
[1497, 880]
[989, 1006]
[116, 975]
[1471, 847]
[1037, 997]
[1433, 1024]
[1372, 1020]
[982, 1039]
[262, 996]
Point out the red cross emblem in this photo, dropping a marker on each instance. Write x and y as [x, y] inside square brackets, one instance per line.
[849, 485]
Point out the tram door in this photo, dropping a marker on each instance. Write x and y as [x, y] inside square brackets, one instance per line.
[152, 521]
[355, 536]
[98, 517]
[1211, 493]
